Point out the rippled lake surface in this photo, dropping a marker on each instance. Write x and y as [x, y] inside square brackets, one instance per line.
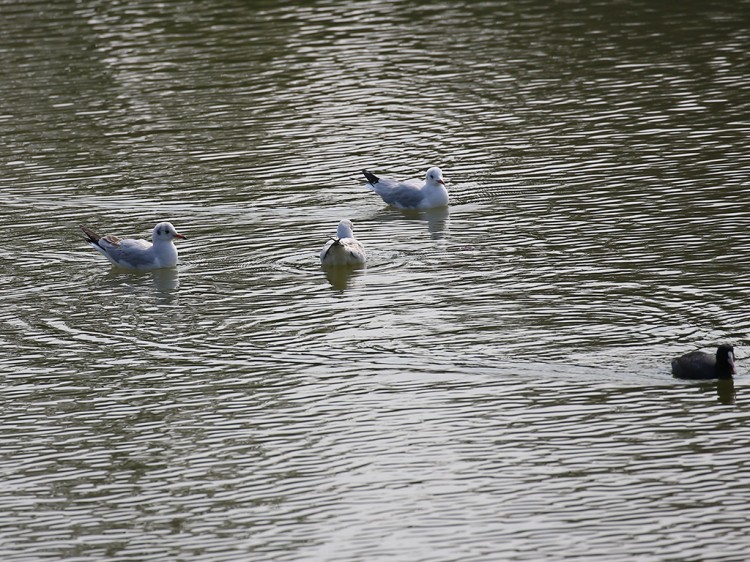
[495, 385]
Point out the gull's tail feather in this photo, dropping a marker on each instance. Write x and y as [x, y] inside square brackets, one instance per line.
[91, 236]
[336, 242]
[371, 178]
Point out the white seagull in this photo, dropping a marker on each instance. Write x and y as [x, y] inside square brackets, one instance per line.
[140, 255]
[411, 194]
[344, 249]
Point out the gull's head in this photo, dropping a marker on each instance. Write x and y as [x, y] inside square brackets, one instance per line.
[345, 229]
[164, 231]
[434, 175]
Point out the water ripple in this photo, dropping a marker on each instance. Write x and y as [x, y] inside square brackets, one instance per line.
[497, 376]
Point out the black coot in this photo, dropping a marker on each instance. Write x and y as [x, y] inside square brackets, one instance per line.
[700, 365]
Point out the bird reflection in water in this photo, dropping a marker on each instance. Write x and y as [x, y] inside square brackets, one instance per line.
[437, 220]
[165, 282]
[725, 391]
[341, 278]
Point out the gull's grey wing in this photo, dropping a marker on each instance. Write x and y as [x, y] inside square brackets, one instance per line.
[134, 253]
[402, 195]
[327, 247]
[399, 194]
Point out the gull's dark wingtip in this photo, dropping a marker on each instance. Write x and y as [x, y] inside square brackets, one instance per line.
[371, 178]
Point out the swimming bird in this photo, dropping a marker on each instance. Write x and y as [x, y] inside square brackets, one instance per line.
[344, 249]
[411, 194]
[139, 255]
[701, 365]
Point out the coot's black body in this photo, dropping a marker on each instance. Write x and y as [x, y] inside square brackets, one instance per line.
[700, 365]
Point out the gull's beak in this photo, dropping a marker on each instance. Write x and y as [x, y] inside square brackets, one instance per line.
[182, 236]
[441, 181]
